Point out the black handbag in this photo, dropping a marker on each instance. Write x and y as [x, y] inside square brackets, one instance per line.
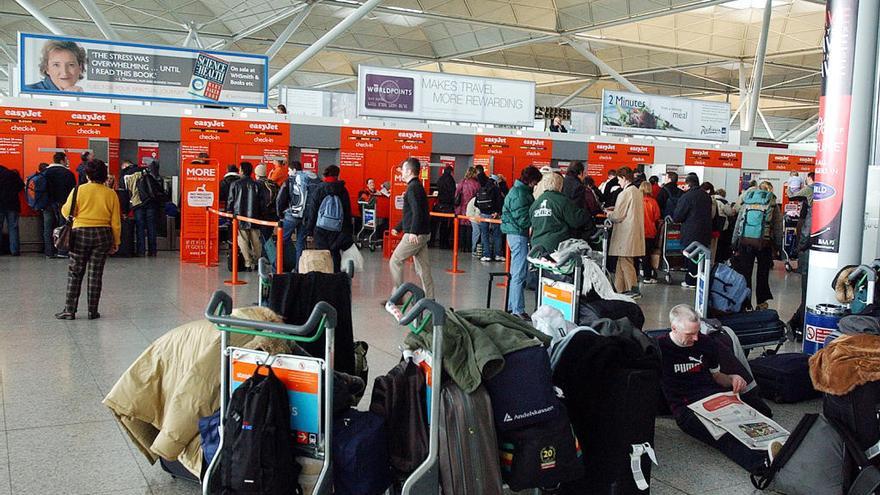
[62, 237]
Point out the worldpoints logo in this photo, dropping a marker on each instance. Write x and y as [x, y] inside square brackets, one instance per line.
[389, 93]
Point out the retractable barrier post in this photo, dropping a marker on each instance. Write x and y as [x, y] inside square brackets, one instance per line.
[234, 249]
[279, 249]
[207, 236]
[506, 267]
[455, 234]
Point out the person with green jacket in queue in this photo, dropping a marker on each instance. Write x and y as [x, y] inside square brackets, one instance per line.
[555, 218]
[516, 222]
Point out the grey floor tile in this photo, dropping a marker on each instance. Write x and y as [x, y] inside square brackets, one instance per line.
[660, 488]
[5, 486]
[85, 458]
[38, 411]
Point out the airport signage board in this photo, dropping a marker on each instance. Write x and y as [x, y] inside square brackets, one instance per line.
[652, 115]
[408, 94]
[62, 65]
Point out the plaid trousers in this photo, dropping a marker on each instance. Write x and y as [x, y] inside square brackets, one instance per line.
[89, 249]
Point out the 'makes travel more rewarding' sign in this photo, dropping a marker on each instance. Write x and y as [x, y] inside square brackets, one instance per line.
[111, 69]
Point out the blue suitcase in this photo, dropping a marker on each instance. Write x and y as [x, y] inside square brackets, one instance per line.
[756, 328]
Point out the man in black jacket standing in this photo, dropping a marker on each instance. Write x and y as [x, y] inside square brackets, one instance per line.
[247, 199]
[573, 184]
[11, 186]
[415, 226]
[694, 213]
[59, 182]
[669, 195]
[441, 227]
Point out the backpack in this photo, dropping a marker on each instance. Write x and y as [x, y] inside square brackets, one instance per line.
[672, 201]
[257, 453]
[298, 188]
[727, 290]
[719, 221]
[37, 191]
[399, 398]
[757, 210]
[149, 188]
[330, 213]
[818, 459]
[485, 198]
[360, 454]
[273, 188]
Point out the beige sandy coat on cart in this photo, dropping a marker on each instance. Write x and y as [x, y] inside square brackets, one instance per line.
[175, 381]
[628, 233]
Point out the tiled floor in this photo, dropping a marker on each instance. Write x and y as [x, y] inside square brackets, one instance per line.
[57, 438]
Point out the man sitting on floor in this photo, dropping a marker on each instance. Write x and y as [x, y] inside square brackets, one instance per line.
[691, 372]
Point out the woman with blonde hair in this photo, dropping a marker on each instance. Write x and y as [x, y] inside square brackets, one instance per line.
[628, 235]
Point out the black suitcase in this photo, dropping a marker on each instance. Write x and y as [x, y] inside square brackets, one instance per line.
[241, 266]
[784, 378]
[126, 239]
[588, 312]
[860, 411]
[756, 328]
[625, 417]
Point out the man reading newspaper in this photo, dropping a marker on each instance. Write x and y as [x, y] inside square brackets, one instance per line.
[691, 373]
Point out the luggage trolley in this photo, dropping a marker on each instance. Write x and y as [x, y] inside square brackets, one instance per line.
[702, 256]
[321, 321]
[266, 271]
[370, 235]
[670, 248]
[561, 289]
[790, 235]
[426, 478]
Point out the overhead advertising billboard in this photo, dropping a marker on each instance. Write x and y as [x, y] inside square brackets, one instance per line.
[651, 115]
[111, 69]
[421, 95]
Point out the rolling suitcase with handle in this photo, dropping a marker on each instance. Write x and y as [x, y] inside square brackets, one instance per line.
[756, 328]
[469, 460]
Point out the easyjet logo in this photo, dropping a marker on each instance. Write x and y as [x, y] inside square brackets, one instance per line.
[210, 124]
[606, 147]
[700, 153]
[411, 135]
[639, 149]
[533, 142]
[89, 117]
[365, 132]
[806, 159]
[263, 126]
[495, 140]
[729, 154]
[22, 113]
[781, 158]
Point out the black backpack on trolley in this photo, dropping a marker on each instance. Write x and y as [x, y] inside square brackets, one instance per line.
[257, 455]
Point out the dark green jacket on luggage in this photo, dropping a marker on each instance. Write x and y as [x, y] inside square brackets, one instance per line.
[554, 219]
[475, 342]
[515, 218]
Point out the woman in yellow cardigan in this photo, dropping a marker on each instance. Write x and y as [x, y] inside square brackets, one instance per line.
[96, 231]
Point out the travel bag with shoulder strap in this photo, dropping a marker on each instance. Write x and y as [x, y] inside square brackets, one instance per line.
[819, 458]
[62, 237]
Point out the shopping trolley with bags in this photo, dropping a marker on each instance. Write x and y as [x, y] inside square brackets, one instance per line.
[318, 405]
[411, 309]
[671, 257]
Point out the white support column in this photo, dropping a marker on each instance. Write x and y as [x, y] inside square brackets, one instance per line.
[803, 135]
[192, 39]
[575, 94]
[259, 26]
[103, 25]
[582, 48]
[40, 16]
[766, 125]
[291, 28]
[757, 76]
[323, 41]
[797, 128]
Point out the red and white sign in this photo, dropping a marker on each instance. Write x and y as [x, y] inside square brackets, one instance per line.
[713, 158]
[602, 157]
[148, 152]
[791, 163]
[309, 159]
[447, 161]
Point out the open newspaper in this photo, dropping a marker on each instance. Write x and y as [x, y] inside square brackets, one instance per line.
[726, 413]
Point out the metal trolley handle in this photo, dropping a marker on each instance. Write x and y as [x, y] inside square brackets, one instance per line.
[413, 314]
[862, 270]
[220, 308]
[695, 249]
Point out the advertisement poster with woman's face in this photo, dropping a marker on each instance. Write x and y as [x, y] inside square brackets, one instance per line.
[111, 69]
